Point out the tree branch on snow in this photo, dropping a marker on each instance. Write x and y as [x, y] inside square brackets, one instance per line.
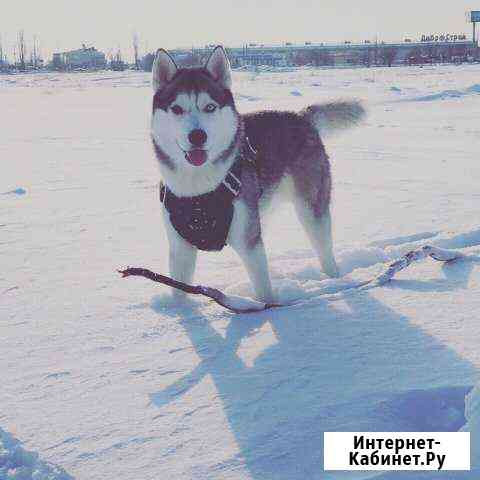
[246, 305]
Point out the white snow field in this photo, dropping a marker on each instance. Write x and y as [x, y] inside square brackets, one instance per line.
[107, 378]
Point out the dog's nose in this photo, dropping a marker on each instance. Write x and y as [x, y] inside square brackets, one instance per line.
[197, 137]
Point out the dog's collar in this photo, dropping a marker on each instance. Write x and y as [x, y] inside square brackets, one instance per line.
[204, 221]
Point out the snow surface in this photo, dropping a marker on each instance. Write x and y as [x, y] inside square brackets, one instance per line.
[109, 379]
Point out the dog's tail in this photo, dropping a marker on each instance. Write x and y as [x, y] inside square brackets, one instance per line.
[331, 117]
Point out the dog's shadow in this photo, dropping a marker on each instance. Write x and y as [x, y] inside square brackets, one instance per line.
[302, 385]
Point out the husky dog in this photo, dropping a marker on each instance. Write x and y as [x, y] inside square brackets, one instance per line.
[221, 169]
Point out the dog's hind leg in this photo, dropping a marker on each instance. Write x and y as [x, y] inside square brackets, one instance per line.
[312, 185]
[319, 232]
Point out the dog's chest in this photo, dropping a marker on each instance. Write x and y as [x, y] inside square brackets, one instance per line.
[204, 220]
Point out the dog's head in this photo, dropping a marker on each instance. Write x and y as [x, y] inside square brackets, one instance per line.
[194, 120]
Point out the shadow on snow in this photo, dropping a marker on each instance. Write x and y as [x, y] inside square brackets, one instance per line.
[356, 367]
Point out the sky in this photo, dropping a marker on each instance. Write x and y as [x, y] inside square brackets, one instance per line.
[109, 24]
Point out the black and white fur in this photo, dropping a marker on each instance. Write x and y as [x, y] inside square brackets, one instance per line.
[290, 151]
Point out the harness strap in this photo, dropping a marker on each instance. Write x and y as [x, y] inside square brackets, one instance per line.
[251, 151]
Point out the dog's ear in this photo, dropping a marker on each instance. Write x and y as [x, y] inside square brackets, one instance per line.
[163, 69]
[219, 67]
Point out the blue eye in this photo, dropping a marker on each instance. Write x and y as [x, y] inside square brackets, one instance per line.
[211, 107]
[177, 109]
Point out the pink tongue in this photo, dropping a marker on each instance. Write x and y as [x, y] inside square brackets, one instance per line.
[197, 157]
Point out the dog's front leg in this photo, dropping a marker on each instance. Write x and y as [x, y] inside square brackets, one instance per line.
[245, 238]
[182, 257]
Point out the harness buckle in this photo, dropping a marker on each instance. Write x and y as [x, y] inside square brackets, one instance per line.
[232, 188]
[163, 193]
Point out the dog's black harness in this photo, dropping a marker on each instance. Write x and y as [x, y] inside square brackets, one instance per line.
[204, 221]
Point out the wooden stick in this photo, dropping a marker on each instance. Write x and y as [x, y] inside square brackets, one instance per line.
[231, 302]
[439, 254]
[238, 304]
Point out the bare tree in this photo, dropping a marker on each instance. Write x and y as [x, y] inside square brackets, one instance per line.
[2, 60]
[21, 50]
[34, 53]
[135, 50]
[116, 62]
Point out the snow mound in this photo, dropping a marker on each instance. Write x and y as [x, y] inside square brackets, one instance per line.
[474, 88]
[304, 281]
[448, 94]
[19, 464]
[292, 290]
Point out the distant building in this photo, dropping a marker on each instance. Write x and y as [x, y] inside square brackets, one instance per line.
[366, 53]
[85, 57]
